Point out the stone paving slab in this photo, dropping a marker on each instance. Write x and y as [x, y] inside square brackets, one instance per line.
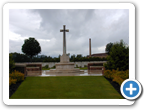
[44, 74]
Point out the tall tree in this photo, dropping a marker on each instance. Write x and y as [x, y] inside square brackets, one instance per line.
[31, 47]
[108, 47]
[118, 57]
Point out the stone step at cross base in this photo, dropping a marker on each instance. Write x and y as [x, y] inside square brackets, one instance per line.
[64, 74]
[75, 70]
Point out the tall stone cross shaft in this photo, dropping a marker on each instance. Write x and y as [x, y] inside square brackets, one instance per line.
[64, 38]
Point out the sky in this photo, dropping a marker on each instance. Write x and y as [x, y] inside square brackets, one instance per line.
[101, 25]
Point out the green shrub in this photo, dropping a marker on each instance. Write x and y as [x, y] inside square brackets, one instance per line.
[118, 79]
[17, 75]
[116, 75]
[12, 81]
[11, 63]
[108, 74]
[123, 74]
[46, 66]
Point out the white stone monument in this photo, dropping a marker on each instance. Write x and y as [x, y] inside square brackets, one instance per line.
[65, 66]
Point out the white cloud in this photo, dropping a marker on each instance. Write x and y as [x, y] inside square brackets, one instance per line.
[16, 37]
[43, 40]
[25, 19]
[101, 49]
[102, 26]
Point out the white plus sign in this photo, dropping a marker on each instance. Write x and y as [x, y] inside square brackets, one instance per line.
[131, 89]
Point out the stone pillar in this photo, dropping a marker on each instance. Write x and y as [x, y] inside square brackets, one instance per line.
[89, 47]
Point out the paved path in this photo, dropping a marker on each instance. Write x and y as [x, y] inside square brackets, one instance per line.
[69, 74]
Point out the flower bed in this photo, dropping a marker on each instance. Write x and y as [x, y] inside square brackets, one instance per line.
[116, 75]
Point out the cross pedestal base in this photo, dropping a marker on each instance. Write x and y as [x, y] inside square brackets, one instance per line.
[64, 59]
[65, 67]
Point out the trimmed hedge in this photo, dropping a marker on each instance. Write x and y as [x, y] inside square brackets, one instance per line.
[116, 75]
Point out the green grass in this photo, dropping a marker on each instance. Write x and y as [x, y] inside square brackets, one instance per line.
[83, 68]
[43, 68]
[66, 87]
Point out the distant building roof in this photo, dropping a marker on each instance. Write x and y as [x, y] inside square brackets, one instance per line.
[99, 55]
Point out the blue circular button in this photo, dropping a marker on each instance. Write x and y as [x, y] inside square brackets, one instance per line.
[131, 89]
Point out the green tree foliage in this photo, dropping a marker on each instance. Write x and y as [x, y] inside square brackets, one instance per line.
[108, 47]
[118, 57]
[31, 47]
[17, 57]
[72, 58]
[11, 63]
[79, 56]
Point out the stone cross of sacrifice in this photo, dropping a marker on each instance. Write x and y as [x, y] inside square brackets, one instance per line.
[64, 38]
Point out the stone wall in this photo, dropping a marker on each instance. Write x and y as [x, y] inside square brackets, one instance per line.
[79, 64]
[96, 68]
[28, 68]
[21, 68]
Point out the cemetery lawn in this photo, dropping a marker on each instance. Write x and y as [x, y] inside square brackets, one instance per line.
[66, 87]
[83, 68]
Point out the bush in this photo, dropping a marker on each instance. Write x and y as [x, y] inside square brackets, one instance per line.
[11, 63]
[118, 79]
[46, 66]
[123, 74]
[17, 75]
[108, 74]
[116, 75]
[12, 81]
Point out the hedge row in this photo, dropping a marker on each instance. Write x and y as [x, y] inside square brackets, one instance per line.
[15, 76]
[116, 75]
